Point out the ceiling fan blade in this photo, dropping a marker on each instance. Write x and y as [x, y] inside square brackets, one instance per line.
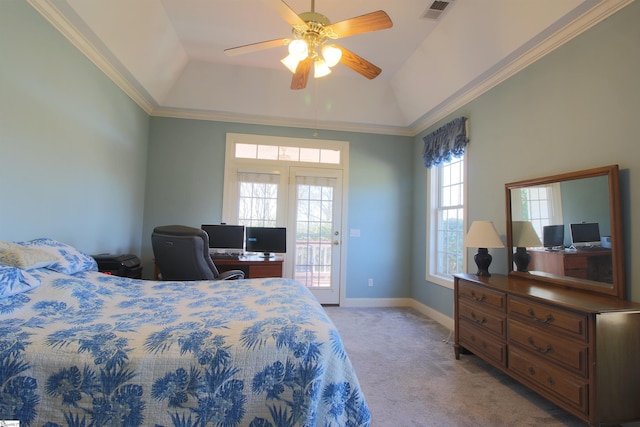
[255, 47]
[359, 64]
[299, 80]
[373, 21]
[286, 12]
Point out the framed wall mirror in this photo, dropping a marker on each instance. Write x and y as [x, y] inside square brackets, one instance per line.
[567, 230]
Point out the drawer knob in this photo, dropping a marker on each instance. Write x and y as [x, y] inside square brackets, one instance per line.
[477, 298]
[531, 370]
[479, 321]
[551, 381]
[548, 349]
[548, 319]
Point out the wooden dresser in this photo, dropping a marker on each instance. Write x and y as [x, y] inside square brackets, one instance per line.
[579, 350]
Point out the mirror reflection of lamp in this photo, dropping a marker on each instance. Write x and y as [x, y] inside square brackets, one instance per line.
[483, 235]
[524, 236]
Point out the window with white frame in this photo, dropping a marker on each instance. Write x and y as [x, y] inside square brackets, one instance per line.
[257, 199]
[541, 205]
[446, 219]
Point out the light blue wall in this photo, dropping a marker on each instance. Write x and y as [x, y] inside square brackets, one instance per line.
[75, 151]
[185, 186]
[574, 109]
[72, 145]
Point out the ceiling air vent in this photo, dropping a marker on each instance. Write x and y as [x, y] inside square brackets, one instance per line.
[436, 9]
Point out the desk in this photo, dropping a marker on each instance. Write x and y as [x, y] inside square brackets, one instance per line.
[583, 264]
[253, 266]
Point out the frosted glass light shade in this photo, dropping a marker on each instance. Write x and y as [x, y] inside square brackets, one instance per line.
[331, 55]
[291, 63]
[320, 68]
[298, 49]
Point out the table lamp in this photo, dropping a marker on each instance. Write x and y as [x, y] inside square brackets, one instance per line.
[524, 236]
[483, 235]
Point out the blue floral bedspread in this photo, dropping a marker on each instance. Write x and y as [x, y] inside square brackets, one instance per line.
[96, 350]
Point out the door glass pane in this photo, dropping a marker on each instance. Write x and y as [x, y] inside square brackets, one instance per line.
[314, 234]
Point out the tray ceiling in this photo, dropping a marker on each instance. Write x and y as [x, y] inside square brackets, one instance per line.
[168, 56]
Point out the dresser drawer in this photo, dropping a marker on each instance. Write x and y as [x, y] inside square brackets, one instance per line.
[550, 380]
[482, 295]
[569, 354]
[486, 319]
[482, 344]
[550, 318]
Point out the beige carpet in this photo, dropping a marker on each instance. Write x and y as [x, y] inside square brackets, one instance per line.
[410, 377]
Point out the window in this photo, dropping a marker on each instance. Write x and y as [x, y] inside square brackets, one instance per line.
[542, 205]
[286, 153]
[258, 199]
[446, 219]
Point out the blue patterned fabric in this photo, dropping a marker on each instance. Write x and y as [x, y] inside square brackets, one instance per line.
[69, 260]
[445, 143]
[15, 280]
[97, 350]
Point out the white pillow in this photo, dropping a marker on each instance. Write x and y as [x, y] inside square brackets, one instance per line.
[69, 260]
[20, 256]
[14, 280]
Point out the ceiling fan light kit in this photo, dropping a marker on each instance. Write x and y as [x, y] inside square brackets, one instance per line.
[311, 32]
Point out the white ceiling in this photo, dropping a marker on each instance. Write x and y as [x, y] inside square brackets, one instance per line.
[168, 56]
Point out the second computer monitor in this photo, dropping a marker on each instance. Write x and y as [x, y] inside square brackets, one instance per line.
[267, 240]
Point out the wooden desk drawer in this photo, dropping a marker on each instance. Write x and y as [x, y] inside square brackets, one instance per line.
[549, 317]
[569, 354]
[257, 271]
[555, 383]
[482, 344]
[578, 262]
[482, 295]
[483, 318]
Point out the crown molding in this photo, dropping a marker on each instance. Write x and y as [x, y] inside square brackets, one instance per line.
[591, 17]
[84, 45]
[219, 116]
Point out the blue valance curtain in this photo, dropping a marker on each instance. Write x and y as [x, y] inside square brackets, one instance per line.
[445, 143]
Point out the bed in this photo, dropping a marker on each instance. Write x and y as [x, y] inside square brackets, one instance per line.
[82, 348]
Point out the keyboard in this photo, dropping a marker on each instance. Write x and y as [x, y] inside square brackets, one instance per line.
[589, 248]
[224, 255]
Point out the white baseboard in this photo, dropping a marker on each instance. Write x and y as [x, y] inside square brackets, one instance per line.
[444, 320]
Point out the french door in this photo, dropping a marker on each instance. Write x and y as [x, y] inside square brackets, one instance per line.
[315, 212]
[298, 184]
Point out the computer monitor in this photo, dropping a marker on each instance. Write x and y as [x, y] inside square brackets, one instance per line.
[553, 236]
[268, 240]
[585, 234]
[223, 236]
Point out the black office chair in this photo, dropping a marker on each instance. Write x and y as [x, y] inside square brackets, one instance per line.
[182, 253]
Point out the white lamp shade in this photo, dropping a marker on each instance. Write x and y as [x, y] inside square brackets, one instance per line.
[291, 63]
[298, 49]
[320, 68]
[524, 236]
[483, 234]
[331, 55]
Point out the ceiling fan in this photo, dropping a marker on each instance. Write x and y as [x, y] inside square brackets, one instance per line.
[311, 43]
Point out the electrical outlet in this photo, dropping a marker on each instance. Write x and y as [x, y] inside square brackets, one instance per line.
[370, 282]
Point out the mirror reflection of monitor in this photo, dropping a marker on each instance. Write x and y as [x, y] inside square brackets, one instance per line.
[223, 236]
[553, 237]
[268, 240]
[585, 234]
